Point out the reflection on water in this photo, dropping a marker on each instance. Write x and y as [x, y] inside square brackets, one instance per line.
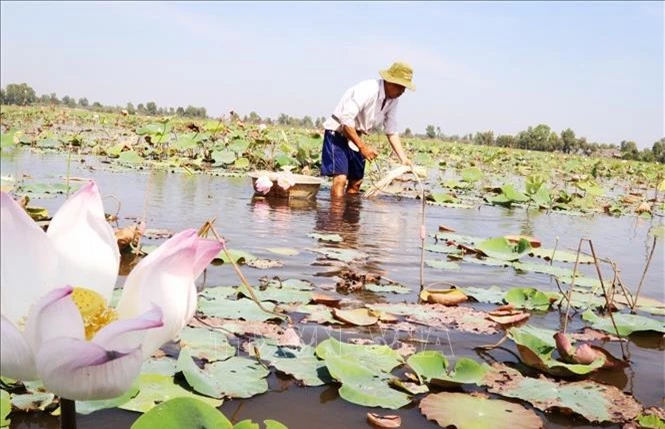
[387, 230]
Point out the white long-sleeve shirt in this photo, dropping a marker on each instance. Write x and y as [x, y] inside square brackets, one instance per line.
[360, 108]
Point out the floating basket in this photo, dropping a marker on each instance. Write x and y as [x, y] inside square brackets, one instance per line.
[301, 186]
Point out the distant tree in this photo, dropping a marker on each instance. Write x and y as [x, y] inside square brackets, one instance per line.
[3, 97]
[534, 138]
[53, 99]
[505, 140]
[171, 111]
[68, 101]
[646, 155]
[568, 140]
[140, 109]
[20, 94]
[97, 105]
[83, 102]
[180, 111]
[553, 142]
[484, 139]
[44, 99]
[658, 150]
[307, 122]
[629, 150]
[151, 108]
[284, 119]
[430, 131]
[130, 109]
[253, 118]
[408, 132]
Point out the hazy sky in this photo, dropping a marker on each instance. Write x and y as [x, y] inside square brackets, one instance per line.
[595, 67]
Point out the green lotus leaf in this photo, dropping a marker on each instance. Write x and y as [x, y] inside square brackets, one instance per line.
[363, 386]
[442, 265]
[428, 364]
[179, 413]
[244, 308]
[626, 323]
[471, 174]
[204, 343]
[501, 248]
[379, 358]
[560, 255]
[155, 389]
[491, 295]
[464, 411]
[5, 407]
[236, 377]
[528, 298]
[301, 363]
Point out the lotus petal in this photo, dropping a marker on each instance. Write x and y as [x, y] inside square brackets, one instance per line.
[87, 249]
[23, 246]
[16, 358]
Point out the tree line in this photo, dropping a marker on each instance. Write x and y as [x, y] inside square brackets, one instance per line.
[540, 138]
[543, 138]
[23, 95]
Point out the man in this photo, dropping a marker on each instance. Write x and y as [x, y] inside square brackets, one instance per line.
[363, 107]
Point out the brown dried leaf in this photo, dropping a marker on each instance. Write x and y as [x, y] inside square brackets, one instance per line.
[444, 228]
[534, 242]
[328, 300]
[508, 317]
[391, 421]
[443, 296]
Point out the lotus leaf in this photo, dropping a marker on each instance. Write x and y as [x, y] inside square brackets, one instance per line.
[439, 248]
[379, 358]
[390, 288]
[179, 413]
[163, 366]
[301, 363]
[471, 174]
[536, 345]
[224, 156]
[32, 401]
[465, 411]
[5, 407]
[245, 309]
[491, 295]
[443, 265]
[561, 255]
[344, 255]
[155, 389]
[238, 256]
[593, 401]
[130, 157]
[333, 238]
[363, 386]
[236, 377]
[501, 248]
[626, 323]
[206, 344]
[529, 298]
[357, 317]
[279, 295]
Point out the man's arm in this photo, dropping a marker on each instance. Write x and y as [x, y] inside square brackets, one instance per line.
[396, 144]
[351, 134]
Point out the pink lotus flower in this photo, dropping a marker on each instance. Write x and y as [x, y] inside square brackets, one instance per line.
[285, 181]
[263, 184]
[56, 322]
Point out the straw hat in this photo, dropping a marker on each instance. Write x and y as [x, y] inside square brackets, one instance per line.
[399, 73]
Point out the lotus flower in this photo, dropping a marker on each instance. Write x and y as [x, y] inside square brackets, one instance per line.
[285, 181]
[263, 184]
[56, 322]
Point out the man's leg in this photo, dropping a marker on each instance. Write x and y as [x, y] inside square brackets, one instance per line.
[337, 189]
[354, 186]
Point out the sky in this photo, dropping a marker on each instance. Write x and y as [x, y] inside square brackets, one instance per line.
[595, 67]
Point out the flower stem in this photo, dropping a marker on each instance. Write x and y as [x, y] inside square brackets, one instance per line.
[67, 414]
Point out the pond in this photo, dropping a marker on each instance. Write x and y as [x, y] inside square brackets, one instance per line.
[387, 229]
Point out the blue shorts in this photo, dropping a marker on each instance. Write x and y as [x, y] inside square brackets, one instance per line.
[338, 158]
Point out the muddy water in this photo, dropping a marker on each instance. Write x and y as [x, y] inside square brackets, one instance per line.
[387, 229]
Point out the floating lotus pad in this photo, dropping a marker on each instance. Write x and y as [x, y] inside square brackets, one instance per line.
[593, 401]
[206, 344]
[379, 358]
[501, 248]
[333, 238]
[155, 388]
[530, 298]
[536, 346]
[464, 411]
[181, 413]
[301, 363]
[626, 323]
[357, 317]
[236, 377]
[363, 386]
[244, 308]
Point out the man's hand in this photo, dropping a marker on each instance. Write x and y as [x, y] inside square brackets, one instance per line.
[408, 162]
[368, 153]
